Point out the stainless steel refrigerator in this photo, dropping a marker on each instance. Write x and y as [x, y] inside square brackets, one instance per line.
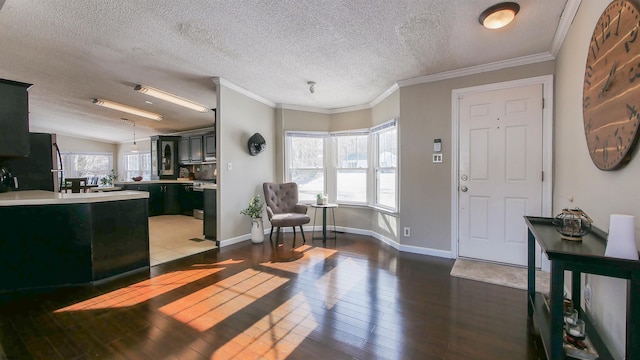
[41, 169]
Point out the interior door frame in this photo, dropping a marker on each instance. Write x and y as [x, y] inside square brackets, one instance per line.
[547, 145]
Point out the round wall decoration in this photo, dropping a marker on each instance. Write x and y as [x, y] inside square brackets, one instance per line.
[256, 144]
[611, 90]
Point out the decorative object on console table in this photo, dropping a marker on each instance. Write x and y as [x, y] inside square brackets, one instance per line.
[572, 224]
[109, 179]
[621, 241]
[254, 210]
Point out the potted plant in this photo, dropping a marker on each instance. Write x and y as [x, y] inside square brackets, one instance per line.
[109, 179]
[322, 199]
[254, 211]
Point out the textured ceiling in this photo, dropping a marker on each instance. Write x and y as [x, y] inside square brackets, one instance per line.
[76, 50]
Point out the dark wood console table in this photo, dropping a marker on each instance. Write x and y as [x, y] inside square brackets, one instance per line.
[586, 256]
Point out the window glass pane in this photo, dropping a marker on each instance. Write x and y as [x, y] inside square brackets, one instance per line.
[307, 153]
[352, 185]
[351, 151]
[388, 148]
[93, 166]
[138, 164]
[386, 187]
[310, 183]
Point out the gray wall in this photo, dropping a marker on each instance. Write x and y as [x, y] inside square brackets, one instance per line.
[425, 187]
[598, 193]
[238, 118]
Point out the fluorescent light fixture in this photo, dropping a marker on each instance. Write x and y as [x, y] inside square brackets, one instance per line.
[499, 15]
[170, 98]
[127, 109]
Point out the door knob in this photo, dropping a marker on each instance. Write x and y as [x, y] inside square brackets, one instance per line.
[463, 189]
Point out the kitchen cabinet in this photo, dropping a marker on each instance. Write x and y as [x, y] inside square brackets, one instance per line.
[14, 119]
[186, 199]
[190, 149]
[209, 146]
[210, 222]
[164, 199]
[164, 157]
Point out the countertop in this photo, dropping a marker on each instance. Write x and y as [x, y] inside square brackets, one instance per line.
[40, 197]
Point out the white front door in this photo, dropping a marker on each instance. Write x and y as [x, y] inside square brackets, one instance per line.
[500, 172]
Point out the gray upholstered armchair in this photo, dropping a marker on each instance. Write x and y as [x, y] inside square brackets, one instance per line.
[281, 201]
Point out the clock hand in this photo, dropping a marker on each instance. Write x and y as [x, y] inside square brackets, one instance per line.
[608, 82]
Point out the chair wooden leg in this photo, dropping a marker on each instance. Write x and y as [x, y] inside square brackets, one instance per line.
[304, 241]
[271, 234]
[278, 236]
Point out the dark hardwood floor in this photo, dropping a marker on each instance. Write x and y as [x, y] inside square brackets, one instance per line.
[354, 299]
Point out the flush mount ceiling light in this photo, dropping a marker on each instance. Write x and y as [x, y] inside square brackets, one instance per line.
[128, 109]
[312, 86]
[499, 15]
[162, 95]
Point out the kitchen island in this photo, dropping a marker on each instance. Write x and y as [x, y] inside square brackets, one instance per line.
[52, 239]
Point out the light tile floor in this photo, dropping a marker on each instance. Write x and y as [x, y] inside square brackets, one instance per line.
[170, 238]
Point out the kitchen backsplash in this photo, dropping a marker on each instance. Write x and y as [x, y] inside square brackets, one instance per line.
[201, 172]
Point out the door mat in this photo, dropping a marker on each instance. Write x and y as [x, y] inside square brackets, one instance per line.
[197, 239]
[504, 275]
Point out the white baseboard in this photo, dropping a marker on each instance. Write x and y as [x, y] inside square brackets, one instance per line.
[394, 244]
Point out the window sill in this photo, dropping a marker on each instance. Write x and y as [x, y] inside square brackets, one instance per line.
[363, 206]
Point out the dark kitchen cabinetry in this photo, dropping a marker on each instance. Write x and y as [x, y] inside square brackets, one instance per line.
[14, 119]
[209, 146]
[186, 198]
[190, 149]
[164, 157]
[164, 199]
[210, 222]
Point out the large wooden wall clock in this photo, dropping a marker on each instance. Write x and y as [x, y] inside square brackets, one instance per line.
[611, 90]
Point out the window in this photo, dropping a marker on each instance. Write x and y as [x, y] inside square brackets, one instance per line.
[306, 163]
[358, 167]
[137, 164]
[93, 166]
[385, 139]
[352, 163]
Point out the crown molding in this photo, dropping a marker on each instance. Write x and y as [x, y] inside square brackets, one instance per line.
[473, 70]
[384, 95]
[220, 81]
[566, 18]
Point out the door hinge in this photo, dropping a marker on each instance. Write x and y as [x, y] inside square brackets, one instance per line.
[542, 176]
[543, 103]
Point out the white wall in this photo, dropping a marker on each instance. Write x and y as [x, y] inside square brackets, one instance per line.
[239, 117]
[598, 193]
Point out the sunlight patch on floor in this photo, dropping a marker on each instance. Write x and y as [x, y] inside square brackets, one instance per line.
[275, 336]
[309, 259]
[142, 291]
[207, 307]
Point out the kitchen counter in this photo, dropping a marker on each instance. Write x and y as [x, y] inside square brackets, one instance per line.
[52, 239]
[39, 197]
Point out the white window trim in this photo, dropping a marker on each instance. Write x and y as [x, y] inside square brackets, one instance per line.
[333, 169]
[287, 158]
[374, 186]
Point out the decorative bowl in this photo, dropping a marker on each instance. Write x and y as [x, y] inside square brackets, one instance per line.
[137, 178]
[572, 224]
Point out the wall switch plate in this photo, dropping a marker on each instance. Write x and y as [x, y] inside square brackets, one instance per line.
[407, 231]
[437, 158]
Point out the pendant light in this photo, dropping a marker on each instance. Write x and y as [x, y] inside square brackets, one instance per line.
[134, 146]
